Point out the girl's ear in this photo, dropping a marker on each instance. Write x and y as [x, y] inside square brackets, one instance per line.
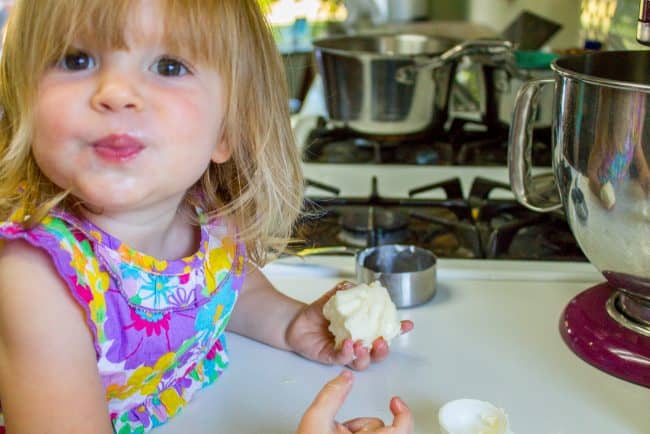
[221, 153]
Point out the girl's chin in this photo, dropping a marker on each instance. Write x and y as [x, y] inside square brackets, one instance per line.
[98, 203]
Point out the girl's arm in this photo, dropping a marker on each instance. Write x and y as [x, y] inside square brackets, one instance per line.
[266, 315]
[48, 368]
[263, 313]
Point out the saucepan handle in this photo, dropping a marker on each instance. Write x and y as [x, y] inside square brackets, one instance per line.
[538, 193]
[490, 47]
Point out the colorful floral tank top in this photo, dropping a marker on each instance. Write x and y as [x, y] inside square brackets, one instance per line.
[157, 325]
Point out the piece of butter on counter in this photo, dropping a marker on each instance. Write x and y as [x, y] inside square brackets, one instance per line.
[362, 313]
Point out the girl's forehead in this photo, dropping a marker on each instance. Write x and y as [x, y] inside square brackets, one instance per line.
[141, 22]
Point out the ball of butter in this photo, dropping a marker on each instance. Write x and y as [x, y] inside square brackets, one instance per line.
[362, 313]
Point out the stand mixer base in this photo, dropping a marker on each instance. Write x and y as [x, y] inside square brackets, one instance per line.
[598, 339]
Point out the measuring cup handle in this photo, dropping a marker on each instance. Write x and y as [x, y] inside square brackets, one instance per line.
[520, 150]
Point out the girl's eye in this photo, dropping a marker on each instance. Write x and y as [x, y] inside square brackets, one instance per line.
[169, 67]
[77, 61]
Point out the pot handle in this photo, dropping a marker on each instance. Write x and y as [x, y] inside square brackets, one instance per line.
[491, 47]
[538, 193]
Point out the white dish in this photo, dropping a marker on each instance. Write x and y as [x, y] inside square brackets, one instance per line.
[472, 416]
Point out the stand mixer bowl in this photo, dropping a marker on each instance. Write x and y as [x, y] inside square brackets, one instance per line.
[601, 179]
[601, 136]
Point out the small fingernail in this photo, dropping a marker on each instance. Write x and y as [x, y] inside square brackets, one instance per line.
[346, 375]
[399, 403]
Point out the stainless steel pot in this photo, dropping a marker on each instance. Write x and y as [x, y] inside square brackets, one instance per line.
[407, 272]
[362, 90]
[601, 136]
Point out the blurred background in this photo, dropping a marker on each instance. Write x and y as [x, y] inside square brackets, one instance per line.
[572, 25]
[581, 24]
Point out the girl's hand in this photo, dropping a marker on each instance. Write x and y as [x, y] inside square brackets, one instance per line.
[319, 417]
[308, 336]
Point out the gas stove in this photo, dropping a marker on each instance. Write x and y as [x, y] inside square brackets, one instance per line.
[453, 196]
[475, 226]
[464, 142]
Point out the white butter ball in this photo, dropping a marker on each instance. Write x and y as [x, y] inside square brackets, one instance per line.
[364, 312]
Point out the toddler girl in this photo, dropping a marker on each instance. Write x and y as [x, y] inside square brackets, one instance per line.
[147, 168]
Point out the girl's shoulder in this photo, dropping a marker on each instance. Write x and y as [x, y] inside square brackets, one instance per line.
[24, 265]
[30, 288]
[34, 302]
[54, 233]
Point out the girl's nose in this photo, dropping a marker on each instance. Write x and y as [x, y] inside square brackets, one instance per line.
[115, 93]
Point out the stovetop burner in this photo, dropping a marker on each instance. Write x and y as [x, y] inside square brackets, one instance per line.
[455, 227]
[463, 142]
[357, 226]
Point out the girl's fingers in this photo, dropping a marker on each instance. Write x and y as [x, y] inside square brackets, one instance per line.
[345, 354]
[407, 326]
[403, 419]
[379, 350]
[364, 424]
[361, 357]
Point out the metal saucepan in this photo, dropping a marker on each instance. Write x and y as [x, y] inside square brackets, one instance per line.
[394, 84]
[407, 272]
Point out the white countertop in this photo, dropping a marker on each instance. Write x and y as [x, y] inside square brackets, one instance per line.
[491, 333]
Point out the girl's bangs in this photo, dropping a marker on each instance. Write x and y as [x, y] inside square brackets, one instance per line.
[190, 27]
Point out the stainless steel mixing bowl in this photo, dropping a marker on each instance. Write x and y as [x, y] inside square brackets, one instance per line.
[601, 136]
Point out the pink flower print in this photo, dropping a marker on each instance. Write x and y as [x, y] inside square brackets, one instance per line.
[213, 351]
[184, 278]
[12, 229]
[140, 336]
[150, 321]
[82, 290]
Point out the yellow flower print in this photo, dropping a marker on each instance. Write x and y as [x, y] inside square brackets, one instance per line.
[217, 313]
[97, 235]
[219, 263]
[125, 252]
[160, 265]
[240, 265]
[79, 260]
[96, 280]
[115, 391]
[144, 379]
[143, 261]
[172, 401]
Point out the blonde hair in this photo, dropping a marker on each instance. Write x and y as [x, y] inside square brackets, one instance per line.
[259, 188]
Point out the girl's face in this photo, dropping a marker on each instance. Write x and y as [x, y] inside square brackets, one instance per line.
[129, 129]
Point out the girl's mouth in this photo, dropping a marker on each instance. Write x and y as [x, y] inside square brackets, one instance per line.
[118, 147]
